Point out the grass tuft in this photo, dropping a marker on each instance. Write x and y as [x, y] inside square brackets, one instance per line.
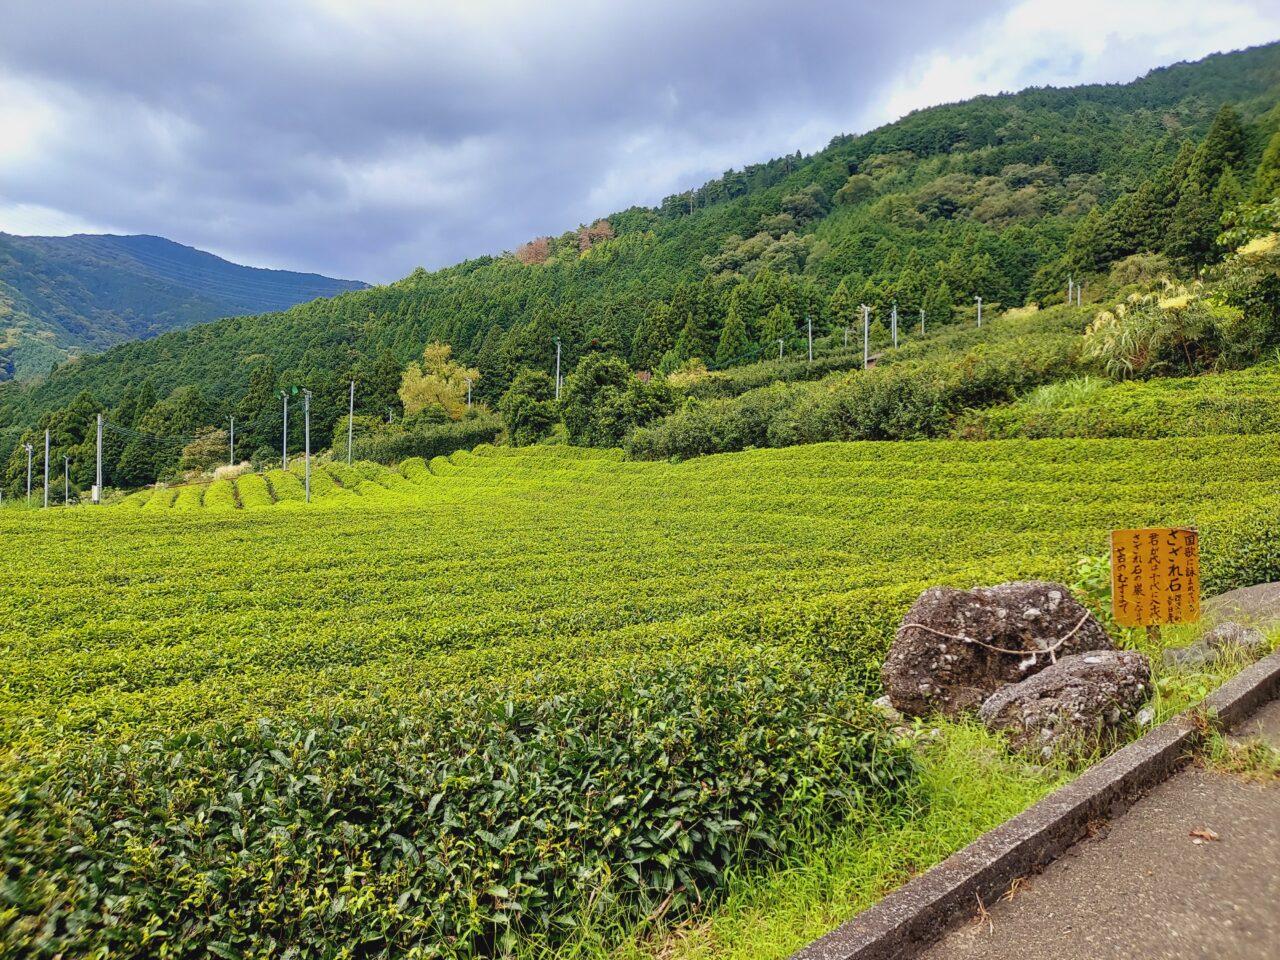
[1252, 759]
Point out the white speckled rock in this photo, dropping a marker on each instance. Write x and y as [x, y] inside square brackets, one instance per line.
[1072, 705]
[957, 647]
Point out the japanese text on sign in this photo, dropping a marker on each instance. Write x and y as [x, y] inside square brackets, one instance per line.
[1155, 576]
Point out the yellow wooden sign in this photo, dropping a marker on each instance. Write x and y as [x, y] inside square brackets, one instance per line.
[1155, 576]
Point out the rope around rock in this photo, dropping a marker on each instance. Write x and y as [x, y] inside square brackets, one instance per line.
[1050, 650]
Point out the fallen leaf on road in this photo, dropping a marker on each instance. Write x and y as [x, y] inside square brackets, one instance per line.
[1203, 834]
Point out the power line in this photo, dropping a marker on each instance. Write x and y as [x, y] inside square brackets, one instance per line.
[148, 437]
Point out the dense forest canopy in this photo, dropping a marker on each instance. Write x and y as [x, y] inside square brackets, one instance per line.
[1003, 197]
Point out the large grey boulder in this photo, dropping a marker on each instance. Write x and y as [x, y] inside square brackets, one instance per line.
[957, 647]
[1073, 705]
[1226, 639]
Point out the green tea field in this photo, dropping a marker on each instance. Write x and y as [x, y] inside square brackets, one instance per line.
[265, 725]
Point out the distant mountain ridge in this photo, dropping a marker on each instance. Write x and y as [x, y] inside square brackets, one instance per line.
[63, 296]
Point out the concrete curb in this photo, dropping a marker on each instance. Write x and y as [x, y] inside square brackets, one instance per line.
[918, 914]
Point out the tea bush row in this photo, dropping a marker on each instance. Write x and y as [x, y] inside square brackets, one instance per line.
[1239, 402]
[449, 829]
[905, 400]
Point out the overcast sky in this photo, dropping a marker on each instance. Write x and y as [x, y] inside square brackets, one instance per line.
[362, 139]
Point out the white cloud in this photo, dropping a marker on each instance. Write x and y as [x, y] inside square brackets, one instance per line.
[363, 140]
[35, 220]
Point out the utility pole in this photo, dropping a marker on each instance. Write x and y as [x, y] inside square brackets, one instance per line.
[780, 348]
[1071, 296]
[894, 323]
[233, 441]
[922, 321]
[809, 323]
[66, 480]
[97, 487]
[28, 446]
[866, 336]
[1079, 294]
[46, 469]
[468, 393]
[979, 299]
[351, 420]
[557, 368]
[306, 432]
[284, 438]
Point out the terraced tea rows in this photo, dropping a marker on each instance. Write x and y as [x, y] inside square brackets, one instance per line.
[507, 693]
[519, 568]
[276, 487]
[1233, 402]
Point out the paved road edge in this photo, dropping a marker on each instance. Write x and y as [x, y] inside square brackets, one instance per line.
[919, 913]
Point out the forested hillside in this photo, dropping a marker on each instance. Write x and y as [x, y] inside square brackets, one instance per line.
[61, 296]
[1002, 197]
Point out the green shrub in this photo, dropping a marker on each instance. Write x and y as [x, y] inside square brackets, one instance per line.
[161, 498]
[385, 477]
[221, 495]
[603, 401]
[893, 404]
[346, 477]
[190, 496]
[323, 483]
[253, 491]
[433, 440]
[415, 469]
[449, 830]
[137, 498]
[1238, 402]
[1241, 548]
[738, 380]
[719, 426]
[285, 486]
[910, 399]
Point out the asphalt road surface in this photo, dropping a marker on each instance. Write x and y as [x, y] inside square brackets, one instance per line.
[1146, 887]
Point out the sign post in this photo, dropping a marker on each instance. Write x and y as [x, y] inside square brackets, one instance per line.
[1155, 577]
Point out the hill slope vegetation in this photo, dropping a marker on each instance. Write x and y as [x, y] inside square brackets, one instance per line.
[1005, 198]
[63, 296]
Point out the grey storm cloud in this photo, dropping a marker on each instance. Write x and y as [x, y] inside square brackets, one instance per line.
[364, 139]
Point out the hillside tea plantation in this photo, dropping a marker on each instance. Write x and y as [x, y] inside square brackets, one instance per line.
[463, 708]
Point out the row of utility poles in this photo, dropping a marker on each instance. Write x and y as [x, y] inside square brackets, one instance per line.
[284, 442]
[306, 414]
[1075, 294]
[866, 330]
[306, 434]
[66, 472]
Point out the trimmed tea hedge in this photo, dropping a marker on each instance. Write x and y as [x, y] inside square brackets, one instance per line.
[447, 829]
[1237, 402]
[427, 441]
